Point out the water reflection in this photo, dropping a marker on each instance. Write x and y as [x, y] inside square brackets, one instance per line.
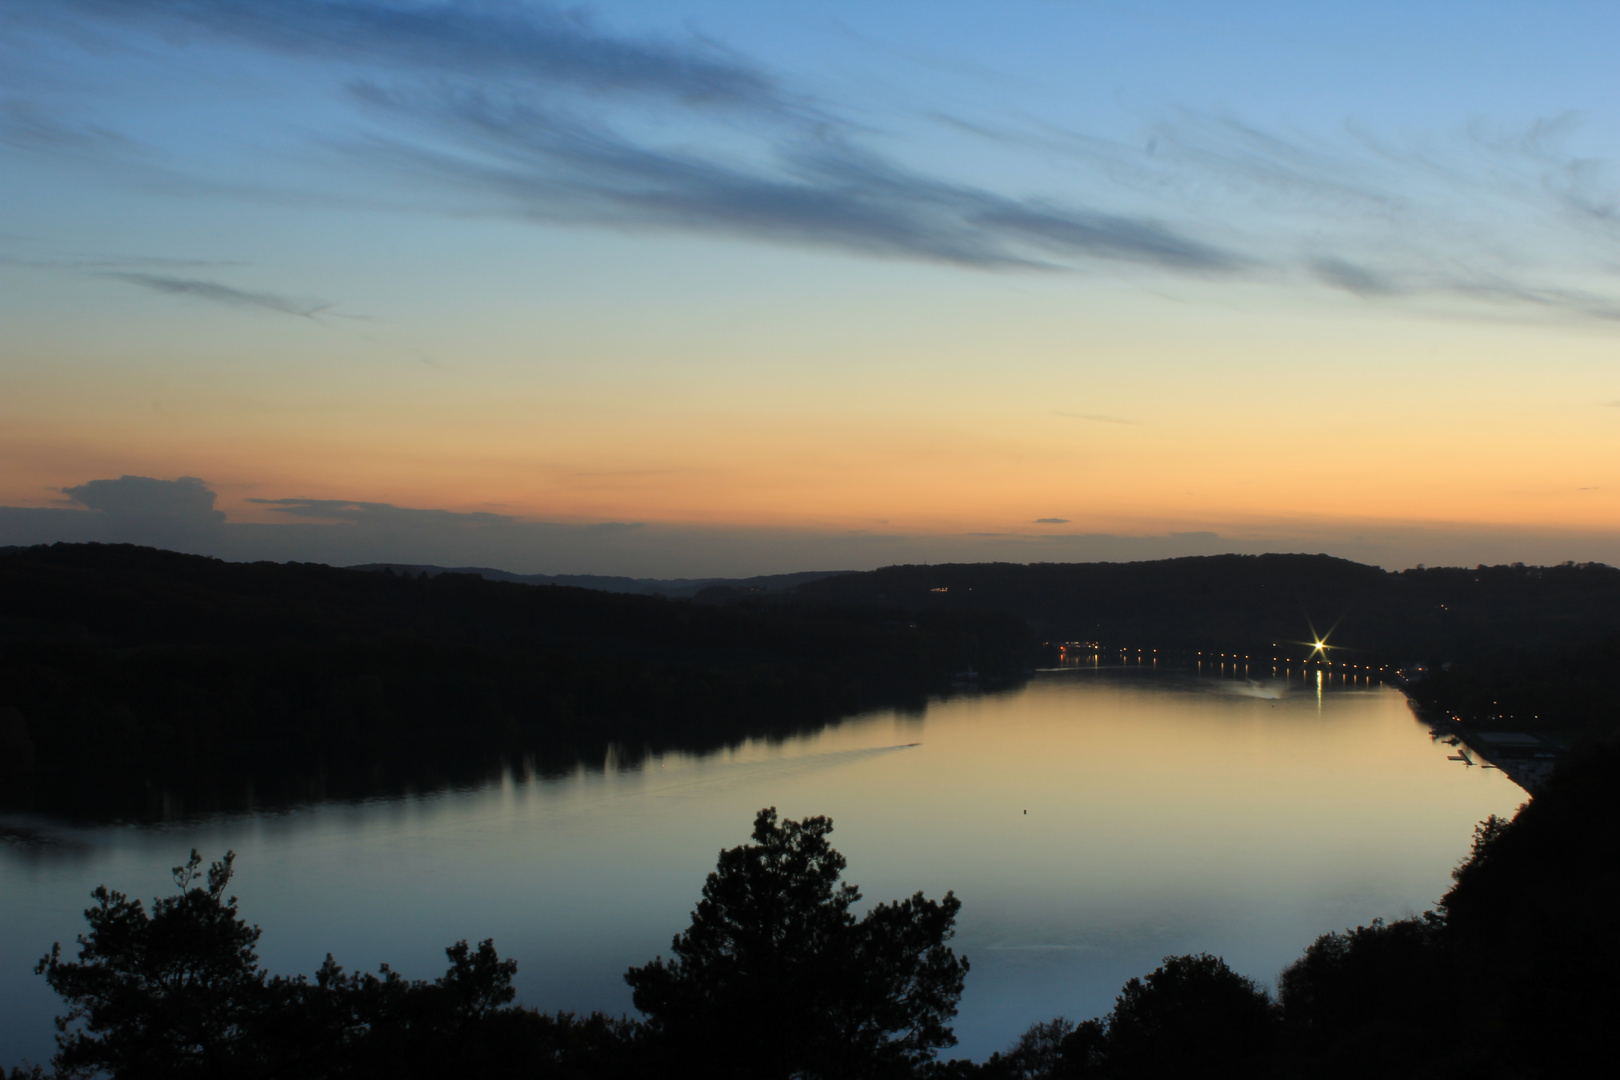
[289, 781]
[1169, 809]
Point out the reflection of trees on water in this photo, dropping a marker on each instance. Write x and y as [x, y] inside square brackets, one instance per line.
[271, 782]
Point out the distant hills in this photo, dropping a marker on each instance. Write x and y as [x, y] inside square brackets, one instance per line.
[123, 668]
[1256, 605]
[1251, 603]
[679, 588]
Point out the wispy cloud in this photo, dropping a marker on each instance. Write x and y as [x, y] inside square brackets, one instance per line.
[540, 113]
[29, 125]
[1505, 218]
[528, 42]
[807, 184]
[1051, 521]
[513, 108]
[138, 271]
[216, 293]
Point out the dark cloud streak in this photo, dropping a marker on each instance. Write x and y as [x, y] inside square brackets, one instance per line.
[537, 113]
[214, 292]
[823, 190]
[482, 39]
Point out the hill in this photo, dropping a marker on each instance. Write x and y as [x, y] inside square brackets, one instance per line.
[683, 588]
[130, 676]
[1245, 603]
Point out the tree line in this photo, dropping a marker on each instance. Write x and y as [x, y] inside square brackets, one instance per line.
[132, 679]
[1246, 603]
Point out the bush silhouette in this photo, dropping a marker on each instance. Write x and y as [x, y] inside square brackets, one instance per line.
[178, 993]
[1191, 1017]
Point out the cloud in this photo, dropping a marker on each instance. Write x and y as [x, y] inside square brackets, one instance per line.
[185, 499]
[24, 526]
[538, 113]
[180, 515]
[1051, 521]
[177, 514]
[28, 125]
[1352, 278]
[214, 292]
[1503, 217]
[805, 185]
[528, 42]
[1108, 236]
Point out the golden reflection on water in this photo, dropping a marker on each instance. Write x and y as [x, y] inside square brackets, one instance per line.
[1092, 822]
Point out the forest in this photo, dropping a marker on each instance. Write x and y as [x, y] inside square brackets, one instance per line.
[1245, 603]
[137, 682]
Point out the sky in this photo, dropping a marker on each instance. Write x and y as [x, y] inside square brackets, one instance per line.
[716, 289]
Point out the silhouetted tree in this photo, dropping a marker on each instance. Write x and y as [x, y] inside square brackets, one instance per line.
[1368, 1001]
[173, 993]
[775, 977]
[179, 993]
[1192, 1016]
[1039, 1053]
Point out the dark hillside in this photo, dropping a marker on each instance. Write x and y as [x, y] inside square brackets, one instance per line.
[129, 674]
[1247, 602]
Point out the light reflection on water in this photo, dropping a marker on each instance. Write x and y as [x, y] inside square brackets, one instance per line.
[1166, 813]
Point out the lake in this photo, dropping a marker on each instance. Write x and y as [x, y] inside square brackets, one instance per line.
[1092, 822]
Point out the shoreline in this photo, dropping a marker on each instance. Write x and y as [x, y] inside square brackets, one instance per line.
[1526, 759]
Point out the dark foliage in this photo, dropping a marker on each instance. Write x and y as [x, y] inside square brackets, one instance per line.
[1571, 690]
[1368, 1001]
[776, 978]
[133, 679]
[170, 993]
[1244, 603]
[1047, 1050]
[177, 992]
[1512, 976]
[1190, 1017]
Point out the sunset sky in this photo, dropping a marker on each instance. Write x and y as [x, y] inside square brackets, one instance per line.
[704, 288]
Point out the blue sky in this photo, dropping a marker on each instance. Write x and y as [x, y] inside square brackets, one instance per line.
[791, 274]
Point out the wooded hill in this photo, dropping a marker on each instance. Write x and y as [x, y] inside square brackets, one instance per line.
[128, 675]
[1244, 603]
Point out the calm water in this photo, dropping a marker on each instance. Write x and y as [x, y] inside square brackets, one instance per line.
[1166, 814]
